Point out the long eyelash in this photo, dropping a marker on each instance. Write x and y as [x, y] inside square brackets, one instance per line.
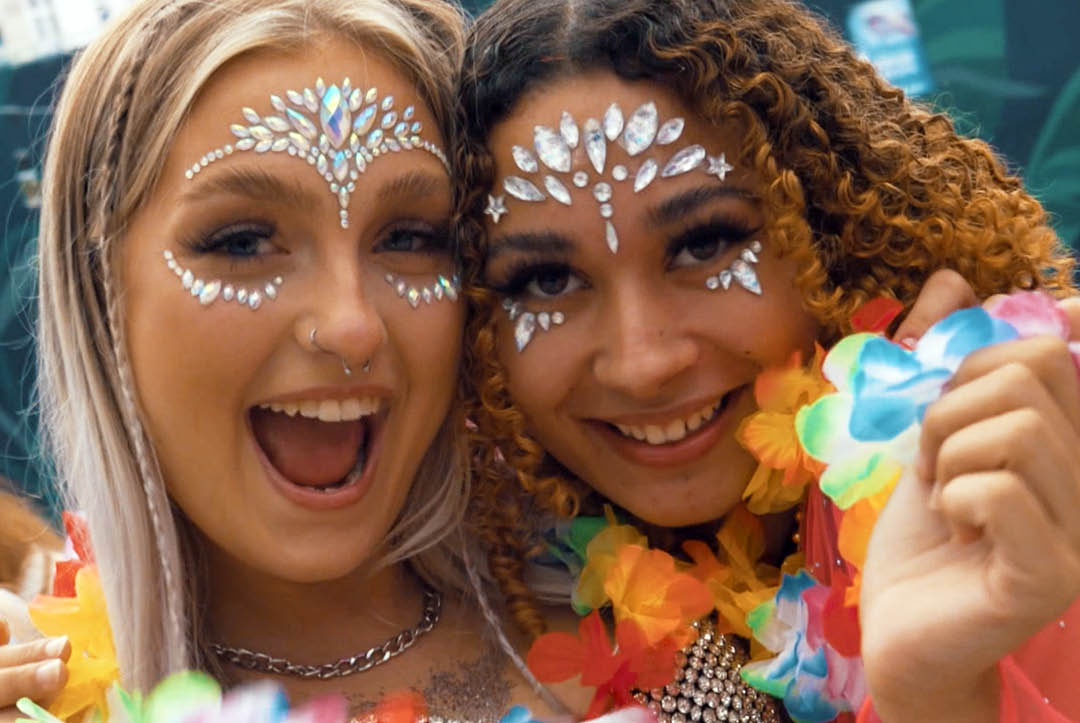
[216, 240]
[521, 273]
[725, 229]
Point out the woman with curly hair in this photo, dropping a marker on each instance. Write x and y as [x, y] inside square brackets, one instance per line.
[660, 201]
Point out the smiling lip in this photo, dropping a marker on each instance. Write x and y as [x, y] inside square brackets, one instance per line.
[315, 498]
[688, 449]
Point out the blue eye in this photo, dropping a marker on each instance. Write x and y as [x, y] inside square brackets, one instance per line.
[238, 242]
[408, 240]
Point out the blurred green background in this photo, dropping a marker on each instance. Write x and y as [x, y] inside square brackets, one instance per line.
[1006, 70]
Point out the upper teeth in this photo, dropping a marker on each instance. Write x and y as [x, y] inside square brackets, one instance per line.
[327, 410]
[672, 431]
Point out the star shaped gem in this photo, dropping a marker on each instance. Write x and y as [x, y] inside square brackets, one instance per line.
[718, 166]
[496, 207]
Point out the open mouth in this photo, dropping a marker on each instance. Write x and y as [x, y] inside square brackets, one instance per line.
[317, 446]
[678, 429]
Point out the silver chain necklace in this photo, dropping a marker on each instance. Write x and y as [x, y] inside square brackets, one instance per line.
[264, 663]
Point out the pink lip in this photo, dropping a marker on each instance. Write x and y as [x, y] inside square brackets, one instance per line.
[304, 497]
[688, 449]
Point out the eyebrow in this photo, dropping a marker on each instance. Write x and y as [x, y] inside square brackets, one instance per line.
[537, 243]
[674, 208]
[254, 183]
[412, 185]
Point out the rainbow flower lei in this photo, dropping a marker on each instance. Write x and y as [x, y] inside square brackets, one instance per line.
[835, 435]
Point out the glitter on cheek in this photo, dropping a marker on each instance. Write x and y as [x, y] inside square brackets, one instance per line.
[209, 292]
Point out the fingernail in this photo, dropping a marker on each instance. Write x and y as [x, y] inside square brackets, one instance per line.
[55, 647]
[909, 342]
[48, 674]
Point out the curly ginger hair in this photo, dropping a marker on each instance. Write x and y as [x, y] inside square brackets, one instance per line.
[869, 191]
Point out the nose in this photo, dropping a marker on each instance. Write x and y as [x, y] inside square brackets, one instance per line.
[644, 346]
[342, 320]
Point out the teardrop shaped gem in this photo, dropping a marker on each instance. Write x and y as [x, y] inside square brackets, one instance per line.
[356, 99]
[569, 130]
[641, 129]
[245, 144]
[280, 144]
[557, 190]
[595, 146]
[670, 131]
[613, 121]
[611, 237]
[365, 120]
[524, 159]
[524, 330]
[374, 138]
[276, 123]
[322, 165]
[209, 293]
[334, 116]
[522, 189]
[238, 130]
[343, 197]
[264, 146]
[685, 160]
[295, 98]
[413, 297]
[551, 148]
[544, 319]
[341, 166]
[320, 86]
[645, 175]
[450, 287]
[749, 256]
[301, 123]
[401, 129]
[278, 103]
[310, 101]
[250, 115]
[389, 119]
[408, 113]
[371, 95]
[261, 133]
[746, 276]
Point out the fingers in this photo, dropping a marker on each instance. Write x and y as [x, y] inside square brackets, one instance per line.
[33, 670]
[1049, 362]
[35, 652]
[1004, 389]
[1022, 443]
[1030, 556]
[945, 291]
[1071, 307]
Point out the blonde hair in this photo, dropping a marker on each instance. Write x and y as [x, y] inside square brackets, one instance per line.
[124, 100]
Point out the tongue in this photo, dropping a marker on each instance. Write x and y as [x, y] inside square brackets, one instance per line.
[307, 451]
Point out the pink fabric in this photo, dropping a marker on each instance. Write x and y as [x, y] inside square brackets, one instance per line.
[1040, 682]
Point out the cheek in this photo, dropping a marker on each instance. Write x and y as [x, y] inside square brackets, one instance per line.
[428, 340]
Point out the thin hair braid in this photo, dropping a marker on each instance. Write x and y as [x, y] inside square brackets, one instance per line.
[157, 501]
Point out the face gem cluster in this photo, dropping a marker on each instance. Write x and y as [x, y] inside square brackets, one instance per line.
[527, 323]
[339, 130]
[552, 152]
[551, 155]
[443, 288]
[207, 292]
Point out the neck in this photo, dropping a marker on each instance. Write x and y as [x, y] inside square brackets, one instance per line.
[308, 622]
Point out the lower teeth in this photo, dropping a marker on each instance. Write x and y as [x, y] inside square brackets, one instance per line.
[353, 475]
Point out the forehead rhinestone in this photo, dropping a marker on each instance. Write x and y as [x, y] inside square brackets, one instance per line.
[613, 121]
[645, 175]
[640, 129]
[595, 147]
[524, 160]
[581, 179]
[522, 189]
[557, 190]
[602, 192]
[552, 149]
[670, 131]
[684, 161]
[619, 172]
[569, 130]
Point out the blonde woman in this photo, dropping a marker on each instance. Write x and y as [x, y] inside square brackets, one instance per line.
[250, 336]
